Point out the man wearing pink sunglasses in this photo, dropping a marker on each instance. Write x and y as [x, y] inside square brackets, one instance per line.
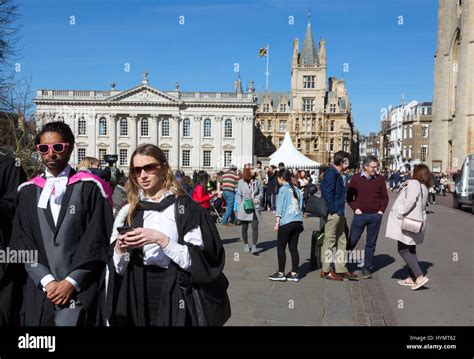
[66, 217]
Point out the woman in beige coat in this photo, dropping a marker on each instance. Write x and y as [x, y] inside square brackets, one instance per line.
[411, 203]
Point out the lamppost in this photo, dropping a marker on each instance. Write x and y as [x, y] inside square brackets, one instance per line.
[114, 171]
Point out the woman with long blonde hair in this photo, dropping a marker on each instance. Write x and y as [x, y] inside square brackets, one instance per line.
[168, 242]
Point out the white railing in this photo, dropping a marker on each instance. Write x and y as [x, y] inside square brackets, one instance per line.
[60, 93]
[82, 93]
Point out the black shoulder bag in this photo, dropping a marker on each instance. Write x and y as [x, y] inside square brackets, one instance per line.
[208, 304]
[317, 206]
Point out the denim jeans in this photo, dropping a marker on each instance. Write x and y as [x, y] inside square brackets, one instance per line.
[229, 198]
[372, 221]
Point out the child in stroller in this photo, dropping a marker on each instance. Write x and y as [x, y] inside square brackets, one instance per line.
[217, 208]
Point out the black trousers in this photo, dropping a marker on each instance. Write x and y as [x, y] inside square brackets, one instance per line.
[154, 279]
[289, 234]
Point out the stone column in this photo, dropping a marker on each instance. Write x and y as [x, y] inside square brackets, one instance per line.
[248, 127]
[175, 131]
[133, 131]
[74, 127]
[218, 153]
[113, 134]
[93, 132]
[238, 130]
[153, 130]
[196, 161]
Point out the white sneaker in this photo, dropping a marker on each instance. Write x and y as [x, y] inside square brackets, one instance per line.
[246, 248]
[420, 284]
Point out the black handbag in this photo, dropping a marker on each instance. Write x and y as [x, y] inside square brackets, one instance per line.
[208, 304]
[317, 206]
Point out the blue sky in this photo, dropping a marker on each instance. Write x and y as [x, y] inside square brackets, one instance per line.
[385, 58]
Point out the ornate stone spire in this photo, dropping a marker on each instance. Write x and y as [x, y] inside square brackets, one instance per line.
[309, 54]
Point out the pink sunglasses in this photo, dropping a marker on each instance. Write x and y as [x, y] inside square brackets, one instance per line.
[56, 147]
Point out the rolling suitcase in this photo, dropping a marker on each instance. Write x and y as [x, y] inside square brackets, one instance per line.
[317, 238]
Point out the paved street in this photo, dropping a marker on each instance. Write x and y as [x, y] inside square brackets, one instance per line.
[447, 254]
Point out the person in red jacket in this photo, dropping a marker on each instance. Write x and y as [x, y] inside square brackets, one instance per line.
[200, 193]
[367, 196]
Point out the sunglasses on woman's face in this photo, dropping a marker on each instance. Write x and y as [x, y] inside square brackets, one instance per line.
[56, 147]
[149, 169]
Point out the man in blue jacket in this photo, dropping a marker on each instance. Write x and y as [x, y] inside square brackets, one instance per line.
[334, 246]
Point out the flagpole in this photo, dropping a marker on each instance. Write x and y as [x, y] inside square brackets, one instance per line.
[267, 73]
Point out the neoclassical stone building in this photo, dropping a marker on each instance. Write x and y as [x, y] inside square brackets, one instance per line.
[452, 129]
[196, 130]
[316, 112]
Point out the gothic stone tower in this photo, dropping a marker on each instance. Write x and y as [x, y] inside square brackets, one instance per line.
[308, 90]
[452, 129]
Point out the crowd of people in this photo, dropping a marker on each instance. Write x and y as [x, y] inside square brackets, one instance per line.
[125, 254]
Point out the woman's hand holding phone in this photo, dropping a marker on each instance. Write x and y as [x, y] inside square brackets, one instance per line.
[120, 245]
[142, 236]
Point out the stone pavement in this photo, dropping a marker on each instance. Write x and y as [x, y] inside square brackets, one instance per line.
[311, 302]
[447, 256]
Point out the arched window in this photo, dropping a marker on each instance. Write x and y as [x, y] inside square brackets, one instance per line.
[186, 127]
[102, 126]
[123, 127]
[165, 128]
[81, 127]
[207, 127]
[144, 127]
[228, 128]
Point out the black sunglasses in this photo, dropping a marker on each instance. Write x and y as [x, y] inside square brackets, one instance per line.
[149, 168]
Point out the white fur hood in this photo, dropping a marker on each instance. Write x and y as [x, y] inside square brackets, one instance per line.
[119, 221]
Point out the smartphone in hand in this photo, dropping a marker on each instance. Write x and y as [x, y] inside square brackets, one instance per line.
[124, 229]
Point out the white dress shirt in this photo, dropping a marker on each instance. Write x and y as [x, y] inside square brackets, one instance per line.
[54, 191]
[155, 255]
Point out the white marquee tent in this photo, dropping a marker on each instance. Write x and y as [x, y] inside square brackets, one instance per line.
[291, 157]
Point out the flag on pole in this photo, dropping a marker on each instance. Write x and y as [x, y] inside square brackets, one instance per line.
[263, 52]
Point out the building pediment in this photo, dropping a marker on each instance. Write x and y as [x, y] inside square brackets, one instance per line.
[144, 93]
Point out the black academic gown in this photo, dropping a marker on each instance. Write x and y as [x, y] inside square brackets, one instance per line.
[11, 176]
[125, 294]
[96, 226]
